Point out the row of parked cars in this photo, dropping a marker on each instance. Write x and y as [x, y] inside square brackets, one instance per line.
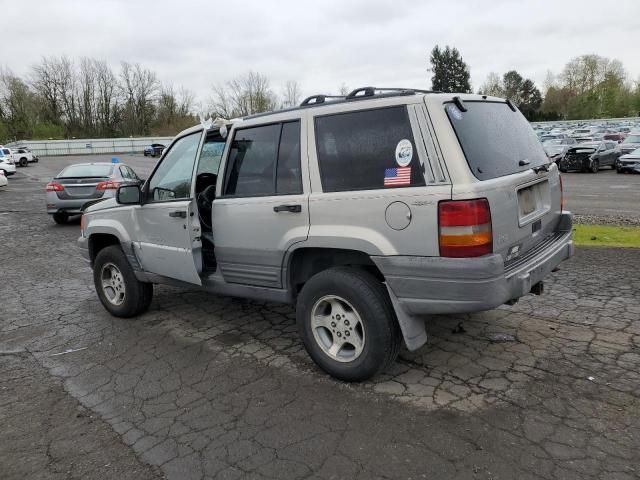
[571, 150]
[9, 158]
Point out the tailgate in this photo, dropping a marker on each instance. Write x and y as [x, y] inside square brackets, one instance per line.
[525, 211]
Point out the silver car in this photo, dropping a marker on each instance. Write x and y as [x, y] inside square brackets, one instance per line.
[79, 184]
[370, 213]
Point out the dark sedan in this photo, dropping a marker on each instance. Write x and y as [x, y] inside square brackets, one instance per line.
[590, 157]
[154, 150]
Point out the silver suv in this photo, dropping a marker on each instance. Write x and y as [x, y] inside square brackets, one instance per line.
[369, 212]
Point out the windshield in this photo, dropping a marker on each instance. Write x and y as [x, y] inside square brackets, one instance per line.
[632, 139]
[86, 171]
[495, 139]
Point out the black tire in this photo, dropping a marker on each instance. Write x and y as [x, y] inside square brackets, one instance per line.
[61, 218]
[619, 170]
[23, 162]
[137, 294]
[595, 167]
[562, 169]
[370, 300]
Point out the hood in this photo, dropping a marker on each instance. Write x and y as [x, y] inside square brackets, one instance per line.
[582, 150]
[629, 156]
[101, 204]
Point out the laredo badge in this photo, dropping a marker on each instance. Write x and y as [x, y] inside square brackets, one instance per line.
[404, 152]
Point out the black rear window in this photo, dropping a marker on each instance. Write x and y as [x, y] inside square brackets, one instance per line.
[86, 171]
[495, 139]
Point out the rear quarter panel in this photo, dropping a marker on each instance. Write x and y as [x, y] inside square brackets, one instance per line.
[357, 219]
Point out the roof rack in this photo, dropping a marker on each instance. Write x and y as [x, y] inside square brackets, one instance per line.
[371, 91]
[361, 93]
[317, 99]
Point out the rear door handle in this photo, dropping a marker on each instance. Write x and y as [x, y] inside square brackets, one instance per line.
[178, 214]
[288, 208]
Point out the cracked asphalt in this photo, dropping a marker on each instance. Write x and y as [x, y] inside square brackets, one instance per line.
[202, 386]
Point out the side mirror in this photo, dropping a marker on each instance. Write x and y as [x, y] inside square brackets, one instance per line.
[129, 195]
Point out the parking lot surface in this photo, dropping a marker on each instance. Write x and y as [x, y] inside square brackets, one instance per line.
[202, 386]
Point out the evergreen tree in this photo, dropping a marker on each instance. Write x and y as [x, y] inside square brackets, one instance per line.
[450, 72]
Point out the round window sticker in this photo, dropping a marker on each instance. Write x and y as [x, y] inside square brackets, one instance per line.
[404, 152]
[454, 111]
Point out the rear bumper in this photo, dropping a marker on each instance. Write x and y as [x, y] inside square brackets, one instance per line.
[436, 285]
[72, 207]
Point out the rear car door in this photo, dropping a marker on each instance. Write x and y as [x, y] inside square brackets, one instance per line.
[263, 207]
[167, 238]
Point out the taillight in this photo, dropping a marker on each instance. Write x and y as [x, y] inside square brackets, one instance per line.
[465, 228]
[108, 185]
[54, 187]
[561, 194]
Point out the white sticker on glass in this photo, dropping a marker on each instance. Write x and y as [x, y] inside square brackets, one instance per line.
[404, 152]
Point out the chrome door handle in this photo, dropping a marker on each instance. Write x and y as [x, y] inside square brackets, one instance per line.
[288, 208]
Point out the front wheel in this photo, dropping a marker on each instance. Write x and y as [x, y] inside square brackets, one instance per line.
[595, 166]
[121, 293]
[347, 323]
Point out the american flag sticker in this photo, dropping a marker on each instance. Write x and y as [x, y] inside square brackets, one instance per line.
[394, 177]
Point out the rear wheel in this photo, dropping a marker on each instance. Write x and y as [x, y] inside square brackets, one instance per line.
[61, 217]
[121, 293]
[24, 162]
[347, 323]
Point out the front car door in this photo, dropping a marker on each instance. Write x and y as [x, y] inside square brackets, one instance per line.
[168, 232]
[263, 206]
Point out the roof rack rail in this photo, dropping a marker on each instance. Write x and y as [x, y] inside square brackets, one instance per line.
[317, 99]
[371, 91]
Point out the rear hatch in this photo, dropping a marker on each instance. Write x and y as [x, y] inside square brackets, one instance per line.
[80, 181]
[515, 176]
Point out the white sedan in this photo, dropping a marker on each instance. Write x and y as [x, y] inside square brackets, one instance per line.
[3, 179]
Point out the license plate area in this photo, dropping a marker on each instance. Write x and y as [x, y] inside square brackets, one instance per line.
[534, 200]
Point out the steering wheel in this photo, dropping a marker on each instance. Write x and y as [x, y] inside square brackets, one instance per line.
[204, 201]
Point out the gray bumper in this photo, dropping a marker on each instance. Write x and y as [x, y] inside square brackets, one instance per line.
[436, 285]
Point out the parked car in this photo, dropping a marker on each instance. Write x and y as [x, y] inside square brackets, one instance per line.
[616, 137]
[3, 179]
[154, 150]
[6, 162]
[629, 144]
[584, 132]
[22, 156]
[367, 213]
[589, 157]
[79, 184]
[556, 149]
[629, 162]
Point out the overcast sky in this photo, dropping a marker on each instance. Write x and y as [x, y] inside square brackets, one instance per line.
[321, 44]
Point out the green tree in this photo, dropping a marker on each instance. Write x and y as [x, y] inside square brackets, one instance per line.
[450, 72]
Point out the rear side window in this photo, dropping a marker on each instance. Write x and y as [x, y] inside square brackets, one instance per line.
[496, 140]
[265, 160]
[367, 149]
